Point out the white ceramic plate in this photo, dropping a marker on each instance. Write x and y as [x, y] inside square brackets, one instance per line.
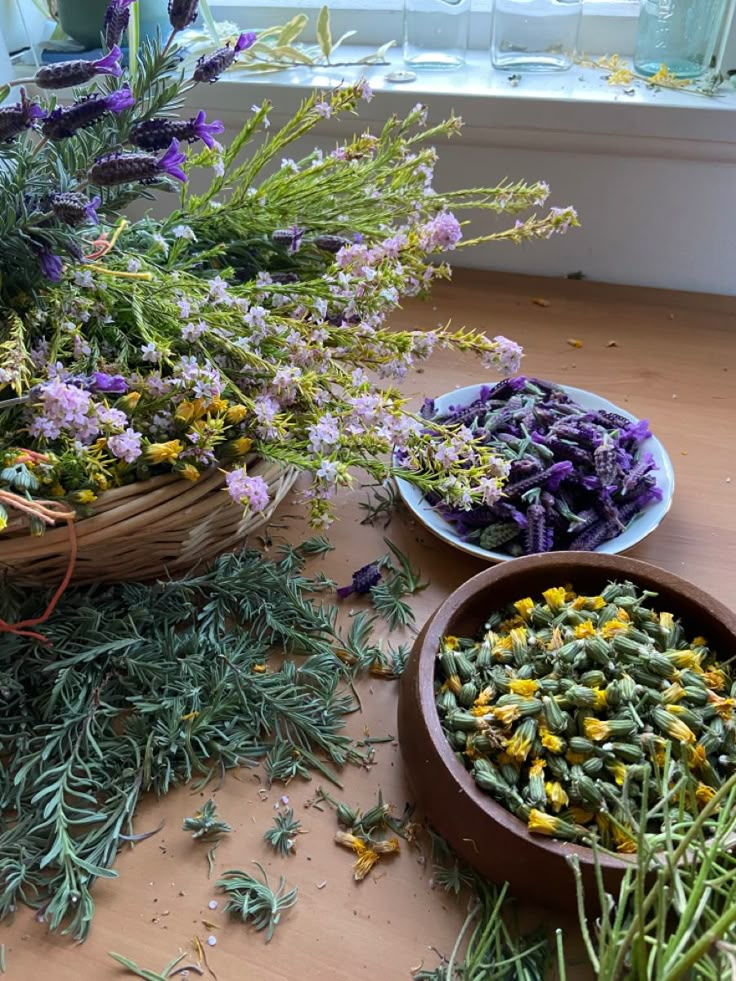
[642, 525]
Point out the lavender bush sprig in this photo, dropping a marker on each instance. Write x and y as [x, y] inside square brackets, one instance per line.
[253, 317]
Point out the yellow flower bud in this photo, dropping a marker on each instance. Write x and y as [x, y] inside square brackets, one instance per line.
[163, 452]
[236, 414]
[83, 497]
[189, 472]
[241, 446]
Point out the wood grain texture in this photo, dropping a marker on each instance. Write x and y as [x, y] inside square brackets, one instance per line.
[668, 344]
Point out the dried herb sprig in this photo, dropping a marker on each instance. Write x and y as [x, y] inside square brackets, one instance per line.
[205, 825]
[490, 943]
[381, 505]
[282, 836]
[400, 579]
[166, 974]
[256, 901]
[147, 688]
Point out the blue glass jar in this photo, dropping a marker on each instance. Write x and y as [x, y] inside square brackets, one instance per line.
[682, 35]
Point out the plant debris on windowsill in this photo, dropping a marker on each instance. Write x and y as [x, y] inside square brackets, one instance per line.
[621, 72]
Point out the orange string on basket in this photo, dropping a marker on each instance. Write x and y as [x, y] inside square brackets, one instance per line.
[49, 512]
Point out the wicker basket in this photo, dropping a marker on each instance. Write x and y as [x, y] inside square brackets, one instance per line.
[159, 528]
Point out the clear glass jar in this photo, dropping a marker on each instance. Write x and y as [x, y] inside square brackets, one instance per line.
[436, 34]
[535, 35]
[682, 35]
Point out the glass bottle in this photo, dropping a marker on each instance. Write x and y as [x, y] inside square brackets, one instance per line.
[436, 33]
[682, 35]
[535, 35]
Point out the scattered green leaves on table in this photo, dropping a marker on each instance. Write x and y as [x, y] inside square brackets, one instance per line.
[145, 688]
[282, 836]
[206, 826]
[255, 901]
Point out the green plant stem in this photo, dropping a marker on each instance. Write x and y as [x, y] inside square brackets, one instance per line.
[456, 949]
[637, 926]
[701, 947]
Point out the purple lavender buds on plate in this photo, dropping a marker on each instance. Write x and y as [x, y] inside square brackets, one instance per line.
[584, 475]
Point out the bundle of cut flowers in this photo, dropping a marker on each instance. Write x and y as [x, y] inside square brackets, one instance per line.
[252, 319]
[575, 478]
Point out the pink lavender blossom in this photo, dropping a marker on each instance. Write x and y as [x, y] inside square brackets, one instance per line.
[191, 332]
[252, 492]
[150, 353]
[507, 355]
[126, 445]
[218, 290]
[443, 232]
[324, 434]
[366, 92]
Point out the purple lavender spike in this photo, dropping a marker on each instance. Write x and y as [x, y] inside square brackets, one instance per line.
[156, 134]
[65, 122]
[23, 115]
[109, 384]
[68, 73]
[51, 265]
[137, 167]
[211, 67]
[605, 462]
[535, 538]
[638, 472]
[182, 13]
[364, 580]
[428, 409]
[117, 17]
[74, 208]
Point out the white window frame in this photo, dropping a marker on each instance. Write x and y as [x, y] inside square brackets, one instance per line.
[609, 26]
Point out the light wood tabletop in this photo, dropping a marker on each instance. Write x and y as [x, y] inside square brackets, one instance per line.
[668, 357]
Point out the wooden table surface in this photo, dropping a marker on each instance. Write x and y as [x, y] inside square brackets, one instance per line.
[673, 362]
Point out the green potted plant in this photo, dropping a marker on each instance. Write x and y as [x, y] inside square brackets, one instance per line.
[81, 19]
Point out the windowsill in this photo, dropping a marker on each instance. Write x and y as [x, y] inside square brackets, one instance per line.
[574, 111]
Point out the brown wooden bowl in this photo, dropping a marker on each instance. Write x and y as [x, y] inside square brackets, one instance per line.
[481, 831]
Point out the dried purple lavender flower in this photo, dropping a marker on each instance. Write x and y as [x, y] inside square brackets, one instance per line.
[363, 582]
[182, 13]
[638, 472]
[117, 17]
[552, 477]
[23, 115]
[127, 168]
[210, 67]
[288, 237]
[51, 265]
[535, 538]
[65, 122]
[605, 461]
[74, 208]
[108, 384]
[68, 73]
[331, 243]
[156, 134]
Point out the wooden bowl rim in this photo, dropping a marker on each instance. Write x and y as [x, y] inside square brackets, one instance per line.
[452, 607]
